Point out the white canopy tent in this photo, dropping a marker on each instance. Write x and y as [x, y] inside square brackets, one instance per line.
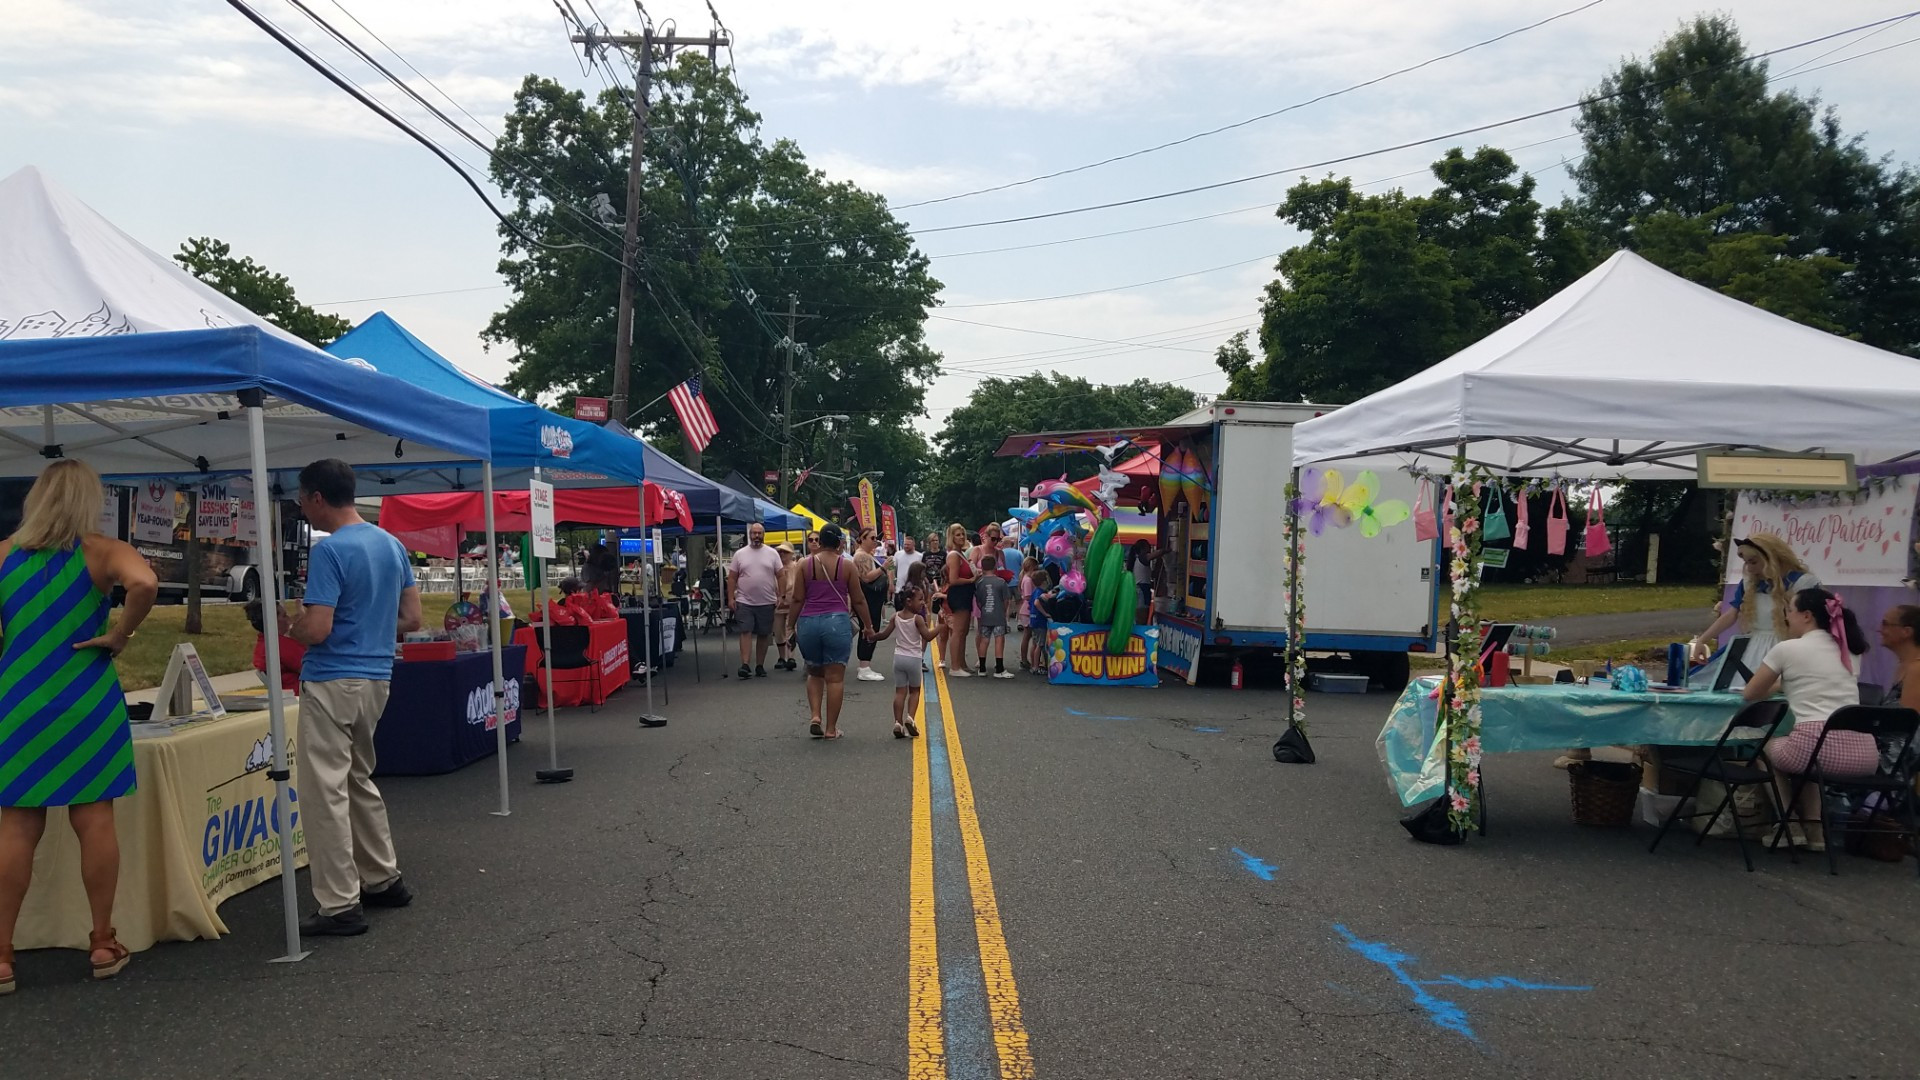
[1630, 372]
[111, 353]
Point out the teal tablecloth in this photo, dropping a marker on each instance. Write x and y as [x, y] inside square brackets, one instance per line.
[1545, 718]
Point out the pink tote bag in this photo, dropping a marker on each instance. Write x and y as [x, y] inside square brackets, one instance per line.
[1424, 526]
[1556, 523]
[1520, 528]
[1598, 542]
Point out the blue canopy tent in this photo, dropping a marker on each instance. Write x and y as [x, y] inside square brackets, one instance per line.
[112, 353]
[706, 498]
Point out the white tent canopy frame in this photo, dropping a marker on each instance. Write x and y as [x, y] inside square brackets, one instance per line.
[1630, 372]
[111, 353]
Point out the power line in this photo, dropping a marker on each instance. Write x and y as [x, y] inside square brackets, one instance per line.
[1183, 140]
[1475, 129]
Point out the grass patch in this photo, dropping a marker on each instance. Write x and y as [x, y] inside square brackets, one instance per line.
[1523, 603]
[225, 643]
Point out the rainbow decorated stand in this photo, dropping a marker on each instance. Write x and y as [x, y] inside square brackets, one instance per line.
[1078, 655]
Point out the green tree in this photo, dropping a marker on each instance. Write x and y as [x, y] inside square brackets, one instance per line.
[731, 226]
[258, 289]
[1386, 285]
[969, 485]
[1758, 193]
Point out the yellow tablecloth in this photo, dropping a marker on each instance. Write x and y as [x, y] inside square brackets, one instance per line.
[198, 829]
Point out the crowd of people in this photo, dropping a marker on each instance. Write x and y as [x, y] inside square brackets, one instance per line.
[962, 594]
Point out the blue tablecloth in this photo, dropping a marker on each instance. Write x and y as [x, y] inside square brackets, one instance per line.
[1554, 717]
[437, 712]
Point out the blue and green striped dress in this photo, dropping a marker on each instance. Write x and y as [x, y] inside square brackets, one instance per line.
[64, 737]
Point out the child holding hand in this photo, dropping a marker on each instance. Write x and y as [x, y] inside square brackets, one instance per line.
[910, 622]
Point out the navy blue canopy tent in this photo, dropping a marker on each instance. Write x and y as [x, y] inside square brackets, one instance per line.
[111, 353]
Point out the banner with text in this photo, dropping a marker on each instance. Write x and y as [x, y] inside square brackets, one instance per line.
[153, 512]
[1865, 541]
[540, 500]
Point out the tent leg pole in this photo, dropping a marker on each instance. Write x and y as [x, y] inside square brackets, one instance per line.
[719, 549]
[650, 719]
[553, 773]
[493, 626]
[255, 402]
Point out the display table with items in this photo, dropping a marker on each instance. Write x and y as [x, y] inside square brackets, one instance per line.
[589, 662]
[198, 829]
[439, 714]
[1557, 717]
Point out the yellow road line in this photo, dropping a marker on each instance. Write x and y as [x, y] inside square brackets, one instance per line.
[996, 966]
[926, 1039]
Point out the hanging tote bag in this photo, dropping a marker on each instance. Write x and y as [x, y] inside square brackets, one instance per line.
[1598, 543]
[1556, 523]
[1425, 527]
[1446, 513]
[1520, 528]
[1494, 526]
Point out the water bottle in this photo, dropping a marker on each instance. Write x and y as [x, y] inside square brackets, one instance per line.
[1676, 664]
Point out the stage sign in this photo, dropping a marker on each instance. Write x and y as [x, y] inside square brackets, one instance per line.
[540, 505]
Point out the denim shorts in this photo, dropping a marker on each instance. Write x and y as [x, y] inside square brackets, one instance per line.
[825, 639]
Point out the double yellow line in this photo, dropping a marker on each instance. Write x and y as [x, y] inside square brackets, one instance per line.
[926, 1047]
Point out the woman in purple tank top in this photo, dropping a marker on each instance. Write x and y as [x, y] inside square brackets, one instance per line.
[828, 601]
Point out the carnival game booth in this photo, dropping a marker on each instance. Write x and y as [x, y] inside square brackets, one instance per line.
[1629, 372]
[112, 354]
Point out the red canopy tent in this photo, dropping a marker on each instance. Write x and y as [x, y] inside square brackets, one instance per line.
[434, 523]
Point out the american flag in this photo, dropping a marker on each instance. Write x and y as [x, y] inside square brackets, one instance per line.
[696, 420]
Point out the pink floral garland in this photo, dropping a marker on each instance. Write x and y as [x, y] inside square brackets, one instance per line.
[1459, 705]
[1294, 556]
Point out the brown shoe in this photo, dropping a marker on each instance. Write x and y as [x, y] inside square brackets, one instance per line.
[108, 943]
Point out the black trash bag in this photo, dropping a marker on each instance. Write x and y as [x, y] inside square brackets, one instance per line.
[1429, 825]
[1292, 748]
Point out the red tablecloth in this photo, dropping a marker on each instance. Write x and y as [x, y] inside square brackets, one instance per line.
[611, 667]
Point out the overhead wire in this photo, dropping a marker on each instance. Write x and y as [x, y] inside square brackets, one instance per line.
[1183, 140]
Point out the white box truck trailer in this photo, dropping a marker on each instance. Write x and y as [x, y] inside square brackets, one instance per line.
[1223, 587]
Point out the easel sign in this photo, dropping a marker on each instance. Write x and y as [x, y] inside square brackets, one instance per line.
[540, 498]
[185, 673]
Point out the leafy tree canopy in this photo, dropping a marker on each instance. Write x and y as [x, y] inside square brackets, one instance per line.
[258, 289]
[730, 227]
[969, 485]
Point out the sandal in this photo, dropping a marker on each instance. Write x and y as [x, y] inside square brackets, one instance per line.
[815, 730]
[108, 942]
[833, 734]
[899, 732]
[911, 730]
[7, 985]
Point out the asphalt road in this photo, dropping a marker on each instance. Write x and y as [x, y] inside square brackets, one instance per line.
[1680, 625]
[726, 898]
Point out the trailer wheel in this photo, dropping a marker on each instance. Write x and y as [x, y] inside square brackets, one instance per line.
[1392, 670]
[250, 588]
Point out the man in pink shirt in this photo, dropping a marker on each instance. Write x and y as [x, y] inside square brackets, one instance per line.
[753, 578]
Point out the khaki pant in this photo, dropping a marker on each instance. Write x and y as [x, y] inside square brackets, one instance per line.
[348, 842]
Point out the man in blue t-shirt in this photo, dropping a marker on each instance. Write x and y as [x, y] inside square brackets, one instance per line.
[360, 598]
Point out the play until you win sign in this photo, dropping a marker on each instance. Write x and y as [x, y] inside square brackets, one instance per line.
[1857, 540]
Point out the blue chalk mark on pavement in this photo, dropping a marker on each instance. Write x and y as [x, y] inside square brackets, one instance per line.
[1085, 715]
[1442, 1012]
[1259, 868]
[1206, 730]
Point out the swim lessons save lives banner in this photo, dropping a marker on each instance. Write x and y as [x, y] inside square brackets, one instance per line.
[1863, 540]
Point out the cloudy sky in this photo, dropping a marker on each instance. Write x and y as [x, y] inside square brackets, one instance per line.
[179, 118]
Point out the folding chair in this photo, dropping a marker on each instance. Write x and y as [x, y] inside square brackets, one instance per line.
[1893, 783]
[1734, 762]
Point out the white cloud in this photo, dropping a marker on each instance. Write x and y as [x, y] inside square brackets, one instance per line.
[905, 182]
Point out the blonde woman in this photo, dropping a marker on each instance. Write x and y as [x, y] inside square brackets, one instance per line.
[1772, 573]
[960, 583]
[64, 739]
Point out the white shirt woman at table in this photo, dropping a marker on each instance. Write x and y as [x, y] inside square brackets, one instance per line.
[1815, 667]
[1772, 570]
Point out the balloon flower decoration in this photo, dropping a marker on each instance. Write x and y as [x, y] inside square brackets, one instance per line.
[1327, 499]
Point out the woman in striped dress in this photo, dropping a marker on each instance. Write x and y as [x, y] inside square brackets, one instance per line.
[64, 739]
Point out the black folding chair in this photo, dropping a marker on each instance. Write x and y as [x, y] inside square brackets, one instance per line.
[1734, 762]
[1893, 783]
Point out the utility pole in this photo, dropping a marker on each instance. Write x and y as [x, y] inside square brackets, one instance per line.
[645, 42]
[786, 407]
